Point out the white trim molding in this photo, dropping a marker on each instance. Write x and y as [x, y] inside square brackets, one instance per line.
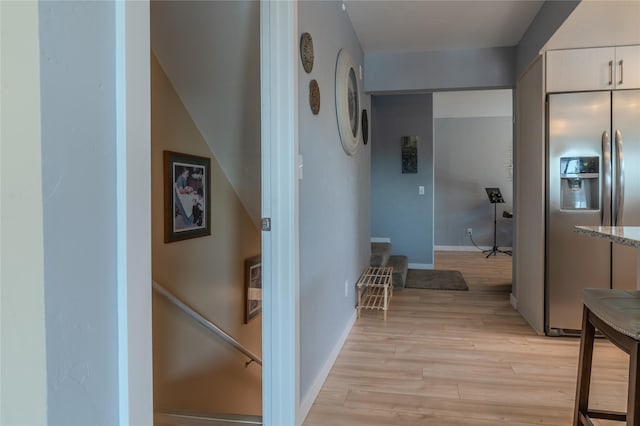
[466, 248]
[514, 301]
[380, 239]
[280, 246]
[133, 211]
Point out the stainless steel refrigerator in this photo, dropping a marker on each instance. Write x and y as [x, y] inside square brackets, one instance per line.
[593, 178]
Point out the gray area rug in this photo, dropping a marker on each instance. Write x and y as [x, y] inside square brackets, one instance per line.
[435, 279]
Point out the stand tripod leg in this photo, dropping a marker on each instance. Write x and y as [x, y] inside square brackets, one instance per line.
[494, 250]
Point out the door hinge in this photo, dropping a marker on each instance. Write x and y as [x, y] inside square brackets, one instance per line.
[266, 224]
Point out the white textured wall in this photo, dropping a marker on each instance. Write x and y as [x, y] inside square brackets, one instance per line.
[22, 352]
[77, 52]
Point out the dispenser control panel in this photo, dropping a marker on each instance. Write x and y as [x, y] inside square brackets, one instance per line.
[574, 166]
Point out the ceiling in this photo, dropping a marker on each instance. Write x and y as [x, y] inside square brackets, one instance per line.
[398, 25]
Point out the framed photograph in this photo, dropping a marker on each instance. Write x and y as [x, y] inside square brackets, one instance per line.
[409, 147]
[253, 287]
[187, 196]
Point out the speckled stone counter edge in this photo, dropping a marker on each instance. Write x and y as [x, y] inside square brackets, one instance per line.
[625, 235]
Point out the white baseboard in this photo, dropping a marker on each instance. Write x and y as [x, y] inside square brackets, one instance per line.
[460, 248]
[380, 239]
[513, 301]
[314, 390]
[420, 266]
[466, 248]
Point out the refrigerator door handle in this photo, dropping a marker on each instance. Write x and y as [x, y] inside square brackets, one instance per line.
[619, 179]
[605, 219]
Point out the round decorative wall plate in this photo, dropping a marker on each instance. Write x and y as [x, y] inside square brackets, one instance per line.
[306, 51]
[314, 97]
[347, 102]
[365, 127]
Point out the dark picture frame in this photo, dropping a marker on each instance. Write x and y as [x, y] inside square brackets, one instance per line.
[365, 126]
[253, 287]
[409, 149]
[187, 196]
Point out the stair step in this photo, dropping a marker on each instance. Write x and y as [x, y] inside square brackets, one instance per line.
[380, 253]
[189, 418]
[400, 266]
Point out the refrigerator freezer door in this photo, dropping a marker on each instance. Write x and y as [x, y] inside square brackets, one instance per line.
[626, 120]
[576, 123]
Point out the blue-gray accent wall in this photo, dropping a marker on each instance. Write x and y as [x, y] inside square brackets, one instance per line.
[398, 211]
[77, 42]
[334, 198]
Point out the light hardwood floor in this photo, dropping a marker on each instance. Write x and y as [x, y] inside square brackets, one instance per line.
[461, 358]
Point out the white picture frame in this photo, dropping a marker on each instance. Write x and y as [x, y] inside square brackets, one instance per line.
[347, 102]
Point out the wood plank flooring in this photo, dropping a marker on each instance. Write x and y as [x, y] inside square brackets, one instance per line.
[461, 358]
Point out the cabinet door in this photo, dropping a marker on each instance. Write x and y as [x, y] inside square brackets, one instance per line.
[627, 67]
[577, 70]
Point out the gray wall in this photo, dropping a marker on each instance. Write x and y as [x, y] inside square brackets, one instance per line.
[465, 68]
[471, 153]
[549, 18]
[79, 195]
[529, 218]
[440, 70]
[334, 198]
[397, 210]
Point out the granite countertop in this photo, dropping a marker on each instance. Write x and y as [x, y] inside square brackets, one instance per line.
[625, 235]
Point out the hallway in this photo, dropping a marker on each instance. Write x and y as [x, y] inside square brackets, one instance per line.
[461, 358]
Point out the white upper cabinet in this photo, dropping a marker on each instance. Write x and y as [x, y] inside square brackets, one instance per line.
[602, 68]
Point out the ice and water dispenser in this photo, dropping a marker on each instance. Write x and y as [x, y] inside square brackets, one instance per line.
[580, 182]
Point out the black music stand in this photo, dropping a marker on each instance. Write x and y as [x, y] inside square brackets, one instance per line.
[495, 198]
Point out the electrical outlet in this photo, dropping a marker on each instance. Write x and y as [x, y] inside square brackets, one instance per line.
[469, 231]
[346, 288]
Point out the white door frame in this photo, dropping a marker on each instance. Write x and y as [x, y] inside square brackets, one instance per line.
[280, 313]
[133, 180]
